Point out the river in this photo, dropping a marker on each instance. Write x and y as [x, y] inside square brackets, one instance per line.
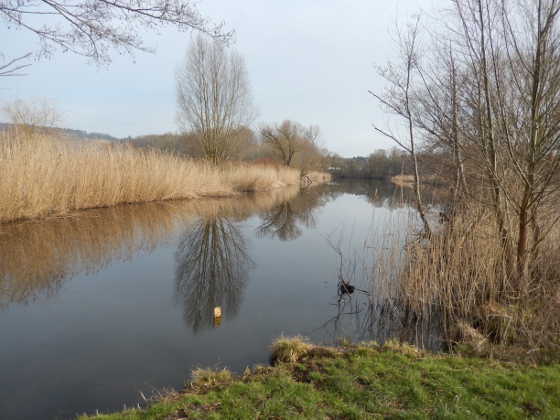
[110, 305]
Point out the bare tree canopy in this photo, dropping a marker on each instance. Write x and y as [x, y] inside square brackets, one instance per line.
[39, 115]
[214, 99]
[482, 94]
[291, 140]
[92, 28]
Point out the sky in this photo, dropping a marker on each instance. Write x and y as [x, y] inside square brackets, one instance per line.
[310, 61]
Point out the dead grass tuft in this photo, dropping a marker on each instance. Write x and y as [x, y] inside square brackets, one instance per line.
[210, 378]
[289, 349]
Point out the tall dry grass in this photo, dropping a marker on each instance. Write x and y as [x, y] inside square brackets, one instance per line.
[42, 176]
[401, 180]
[459, 276]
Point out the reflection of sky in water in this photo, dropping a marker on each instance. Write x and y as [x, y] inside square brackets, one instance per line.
[100, 338]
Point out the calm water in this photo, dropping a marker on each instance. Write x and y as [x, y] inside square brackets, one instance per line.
[112, 303]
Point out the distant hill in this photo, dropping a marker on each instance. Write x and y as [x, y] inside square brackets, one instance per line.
[86, 135]
[75, 134]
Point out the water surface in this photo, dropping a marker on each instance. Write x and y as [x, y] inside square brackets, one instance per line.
[100, 308]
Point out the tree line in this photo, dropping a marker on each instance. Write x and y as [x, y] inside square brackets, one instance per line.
[250, 146]
[381, 164]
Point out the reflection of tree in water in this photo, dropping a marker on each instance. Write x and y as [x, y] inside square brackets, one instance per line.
[286, 220]
[212, 270]
[387, 194]
[281, 223]
[378, 193]
[38, 257]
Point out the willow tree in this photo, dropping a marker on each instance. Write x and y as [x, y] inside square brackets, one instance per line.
[214, 99]
[292, 143]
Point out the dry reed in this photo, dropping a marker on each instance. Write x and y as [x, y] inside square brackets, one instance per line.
[402, 178]
[43, 176]
[459, 275]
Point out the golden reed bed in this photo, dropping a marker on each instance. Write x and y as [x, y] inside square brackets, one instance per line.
[44, 176]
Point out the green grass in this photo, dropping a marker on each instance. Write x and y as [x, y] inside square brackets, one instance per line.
[365, 382]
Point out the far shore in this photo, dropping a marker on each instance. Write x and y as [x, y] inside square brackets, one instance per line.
[49, 177]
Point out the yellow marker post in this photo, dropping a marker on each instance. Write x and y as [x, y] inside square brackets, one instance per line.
[217, 315]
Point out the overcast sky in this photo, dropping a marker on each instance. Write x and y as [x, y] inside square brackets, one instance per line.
[310, 61]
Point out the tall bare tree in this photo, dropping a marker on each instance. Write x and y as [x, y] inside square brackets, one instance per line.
[214, 98]
[400, 99]
[511, 130]
[93, 28]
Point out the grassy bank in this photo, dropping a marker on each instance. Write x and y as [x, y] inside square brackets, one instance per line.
[359, 382]
[42, 176]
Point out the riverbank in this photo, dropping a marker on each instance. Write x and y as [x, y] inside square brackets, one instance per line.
[44, 176]
[364, 381]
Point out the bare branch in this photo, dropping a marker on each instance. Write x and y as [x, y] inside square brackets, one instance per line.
[11, 68]
[92, 28]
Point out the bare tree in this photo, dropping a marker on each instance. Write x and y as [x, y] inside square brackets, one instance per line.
[533, 140]
[400, 99]
[485, 99]
[292, 143]
[38, 116]
[312, 136]
[509, 54]
[284, 139]
[214, 98]
[93, 28]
